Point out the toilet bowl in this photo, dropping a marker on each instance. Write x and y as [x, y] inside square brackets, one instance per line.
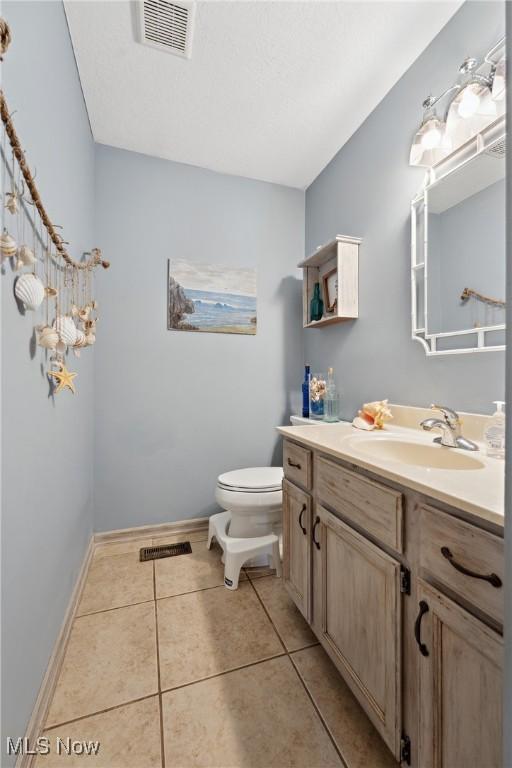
[254, 498]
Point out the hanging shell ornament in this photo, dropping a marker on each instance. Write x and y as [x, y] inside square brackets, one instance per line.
[8, 245]
[81, 340]
[50, 292]
[29, 290]
[47, 337]
[26, 257]
[11, 202]
[66, 329]
[5, 37]
[90, 338]
[74, 310]
[84, 313]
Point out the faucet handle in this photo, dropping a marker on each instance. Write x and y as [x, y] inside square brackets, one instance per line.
[450, 416]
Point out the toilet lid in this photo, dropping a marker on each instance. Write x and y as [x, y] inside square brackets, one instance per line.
[263, 479]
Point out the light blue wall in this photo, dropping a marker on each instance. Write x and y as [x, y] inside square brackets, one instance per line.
[47, 446]
[174, 409]
[366, 191]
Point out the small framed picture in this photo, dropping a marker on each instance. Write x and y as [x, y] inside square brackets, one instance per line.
[330, 286]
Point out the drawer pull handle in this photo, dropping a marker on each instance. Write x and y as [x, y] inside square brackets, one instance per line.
[417, 627]
[293, 464]
[492, 578]
[315, 542]
[304, 507]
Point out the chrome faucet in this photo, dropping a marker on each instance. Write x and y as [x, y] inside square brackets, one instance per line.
[450, 426]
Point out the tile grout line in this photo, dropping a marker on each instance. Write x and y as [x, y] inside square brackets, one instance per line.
[317, 710]
[99, 712]
[289, 655]
[160, 707]
[165, 690]
[115, 608]
[224, 672]
[268, 617]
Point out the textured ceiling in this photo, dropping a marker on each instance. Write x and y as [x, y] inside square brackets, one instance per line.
[272, 91]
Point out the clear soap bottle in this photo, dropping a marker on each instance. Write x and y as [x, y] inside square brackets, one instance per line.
[494, 434]
[331, 399]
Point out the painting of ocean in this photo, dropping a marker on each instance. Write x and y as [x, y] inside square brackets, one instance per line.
[211, 298]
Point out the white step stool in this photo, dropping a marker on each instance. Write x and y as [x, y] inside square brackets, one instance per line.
[238, 551]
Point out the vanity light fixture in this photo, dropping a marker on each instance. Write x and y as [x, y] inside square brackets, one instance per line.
[431, 142]
[499, 80]
[475, 101]
[472, 107]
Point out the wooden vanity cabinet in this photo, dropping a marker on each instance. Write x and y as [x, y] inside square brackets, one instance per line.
[297, 546]
[407, 601]
[358, 618]
[460, 685]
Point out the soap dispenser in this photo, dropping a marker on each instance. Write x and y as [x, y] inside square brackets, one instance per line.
[494, 434]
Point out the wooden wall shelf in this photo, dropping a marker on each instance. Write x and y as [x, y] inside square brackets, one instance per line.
[340, 255]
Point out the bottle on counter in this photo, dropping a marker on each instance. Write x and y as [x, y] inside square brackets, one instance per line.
[305, 392]
[494, 433]
[332, 399]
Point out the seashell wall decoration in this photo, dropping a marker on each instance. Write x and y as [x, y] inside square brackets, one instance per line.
[66, 329]
[8, 245]
[26, 257]
[29, 290]
[53, 283]
[11, 202]
[47, 337]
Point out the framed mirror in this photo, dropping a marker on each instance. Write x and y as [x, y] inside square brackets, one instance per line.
[458, 249]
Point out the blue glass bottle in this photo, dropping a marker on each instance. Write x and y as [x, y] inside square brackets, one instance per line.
[305, 393]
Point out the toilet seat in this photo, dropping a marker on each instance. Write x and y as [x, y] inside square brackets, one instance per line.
[252, 480]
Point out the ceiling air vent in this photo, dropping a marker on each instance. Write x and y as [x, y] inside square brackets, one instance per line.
[167, 26]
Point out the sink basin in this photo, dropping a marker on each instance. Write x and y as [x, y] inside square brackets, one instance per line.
[416, 454]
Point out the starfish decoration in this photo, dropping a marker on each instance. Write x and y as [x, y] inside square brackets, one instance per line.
[64, 379]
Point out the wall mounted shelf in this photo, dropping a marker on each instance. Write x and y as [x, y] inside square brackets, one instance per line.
[338, 259]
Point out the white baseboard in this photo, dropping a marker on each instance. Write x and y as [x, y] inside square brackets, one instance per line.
[46, 691]
[45, 695]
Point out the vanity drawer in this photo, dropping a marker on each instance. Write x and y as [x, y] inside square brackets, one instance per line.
[450, 548]
[374, 507]
[297, 464]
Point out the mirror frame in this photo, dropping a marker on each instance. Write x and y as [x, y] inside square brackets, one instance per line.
[493, 134]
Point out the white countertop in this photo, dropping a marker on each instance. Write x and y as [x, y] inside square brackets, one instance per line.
[480, 492]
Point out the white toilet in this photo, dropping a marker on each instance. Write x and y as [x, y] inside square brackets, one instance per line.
[254, 497]
[249, 530]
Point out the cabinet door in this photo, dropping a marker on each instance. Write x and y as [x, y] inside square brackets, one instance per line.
[460, 685]
[297, 546]
[357, 605]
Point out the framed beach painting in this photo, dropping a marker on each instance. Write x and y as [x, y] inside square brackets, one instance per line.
[211, 298]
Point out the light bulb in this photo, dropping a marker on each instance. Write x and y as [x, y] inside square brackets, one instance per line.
[469, 102]
[432, 138]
